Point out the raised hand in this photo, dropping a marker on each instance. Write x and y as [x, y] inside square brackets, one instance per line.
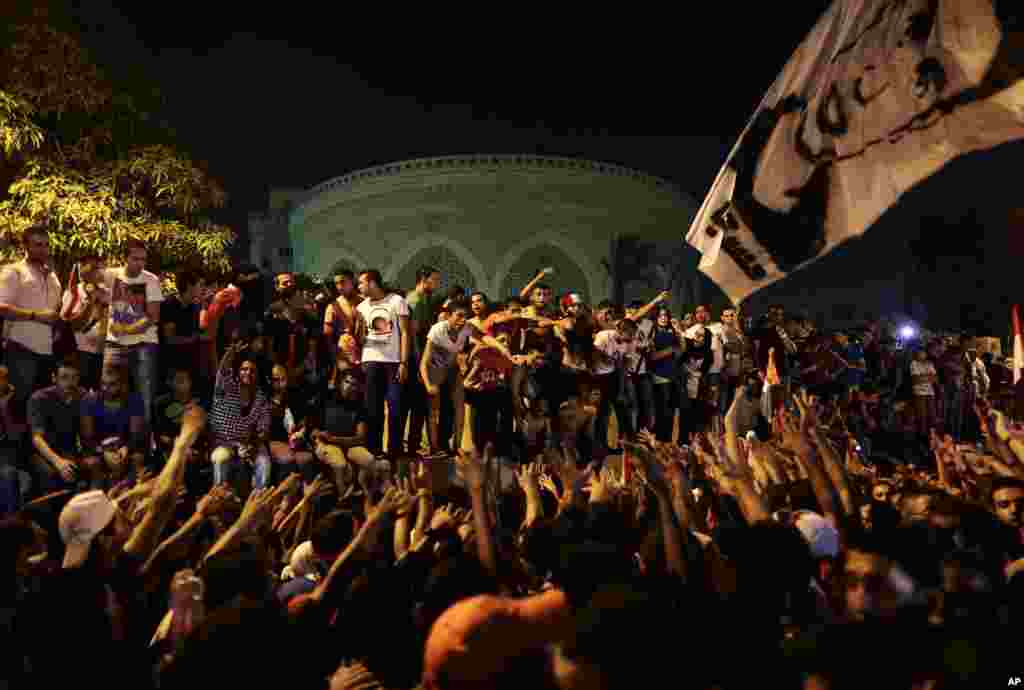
[259, 509]
[548, 484]
[806, 403]
[471, 466]
[443, 517]
[598, 486]
[392, 500]
[321, 486]
[648, 439]
[404, 497]
[216, 501]
[528, 476]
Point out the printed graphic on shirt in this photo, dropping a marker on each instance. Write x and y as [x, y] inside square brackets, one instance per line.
[381, 325]
[127, 303]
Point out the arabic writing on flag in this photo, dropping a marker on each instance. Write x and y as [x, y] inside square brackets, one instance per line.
[880, 95]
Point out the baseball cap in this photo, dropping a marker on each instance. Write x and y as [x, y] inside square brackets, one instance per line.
[84, 517]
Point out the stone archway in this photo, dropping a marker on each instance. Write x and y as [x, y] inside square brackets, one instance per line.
[551, 245]
[454, 270]
[456, 263]
[568, 276]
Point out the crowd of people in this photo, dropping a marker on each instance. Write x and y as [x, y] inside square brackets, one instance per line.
[371, 487]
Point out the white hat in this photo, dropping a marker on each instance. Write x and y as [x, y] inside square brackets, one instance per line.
[85, 516]
[820, 534]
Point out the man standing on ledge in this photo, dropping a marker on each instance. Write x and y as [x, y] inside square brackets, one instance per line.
[387, 348]
[29, 303]
[132, 335]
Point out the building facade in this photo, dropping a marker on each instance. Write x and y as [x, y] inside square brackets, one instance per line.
[488, 222]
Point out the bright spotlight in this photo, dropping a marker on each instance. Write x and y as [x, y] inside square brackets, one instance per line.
[907, 332]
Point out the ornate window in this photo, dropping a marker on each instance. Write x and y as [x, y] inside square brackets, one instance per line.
[453, 270]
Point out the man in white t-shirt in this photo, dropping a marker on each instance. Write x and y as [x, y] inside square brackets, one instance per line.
[29, 300]
[133, 337]
[713, 375]
[611, 349]
[442, 373]
[387, 348]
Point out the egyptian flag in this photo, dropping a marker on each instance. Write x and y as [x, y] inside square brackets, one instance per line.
[1018, 345]
[69, 308]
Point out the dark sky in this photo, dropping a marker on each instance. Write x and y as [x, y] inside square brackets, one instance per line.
[287, 96]
[272, 98]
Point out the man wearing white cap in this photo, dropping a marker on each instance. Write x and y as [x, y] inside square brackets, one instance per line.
[85, 518]
[97, 597]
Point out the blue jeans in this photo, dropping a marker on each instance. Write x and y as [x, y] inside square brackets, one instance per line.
[382, 386]
[227, 466]
[141, 361]
[25, 369]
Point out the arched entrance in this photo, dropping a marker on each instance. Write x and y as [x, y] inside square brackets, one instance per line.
[454, 270]
[568, 275]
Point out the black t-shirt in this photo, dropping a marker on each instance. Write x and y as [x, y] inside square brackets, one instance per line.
[255, 293]
[341, 417]
[59, 422]
[294, 401]
[185, 317]
[280, 329]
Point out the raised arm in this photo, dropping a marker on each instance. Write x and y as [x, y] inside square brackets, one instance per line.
[649, 307]
[525, 292]
[165, 492]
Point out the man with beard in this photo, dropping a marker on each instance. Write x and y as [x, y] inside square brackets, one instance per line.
[29, 300]
[341, 439]
[290, 320]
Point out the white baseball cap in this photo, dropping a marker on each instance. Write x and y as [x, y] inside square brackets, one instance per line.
[84, 517]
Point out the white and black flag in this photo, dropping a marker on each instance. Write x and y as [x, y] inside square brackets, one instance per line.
[879, 96]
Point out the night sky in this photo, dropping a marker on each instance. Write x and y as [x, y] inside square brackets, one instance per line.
[271, 97]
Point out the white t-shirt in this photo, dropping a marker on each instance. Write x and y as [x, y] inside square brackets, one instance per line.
[443, 346]
[383, 329]
[23, 286]
[636, 361]
[713, 331]
[922, 369]
[614, 352]
[128, 300]
[90, 340]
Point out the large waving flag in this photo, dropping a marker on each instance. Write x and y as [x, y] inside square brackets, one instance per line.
[879, 96]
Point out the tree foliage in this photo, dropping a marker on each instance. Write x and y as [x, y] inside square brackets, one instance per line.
[82, 157]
